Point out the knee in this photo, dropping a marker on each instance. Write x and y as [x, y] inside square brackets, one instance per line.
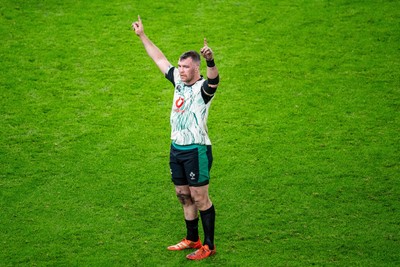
[184, 198]
[202, 201]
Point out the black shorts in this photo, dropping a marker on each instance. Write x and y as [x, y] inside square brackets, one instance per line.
[190, 165]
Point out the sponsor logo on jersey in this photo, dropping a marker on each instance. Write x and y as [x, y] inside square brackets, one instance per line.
[178, 105]
[179, 102]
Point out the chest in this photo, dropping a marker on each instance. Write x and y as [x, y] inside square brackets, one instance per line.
[186, 97]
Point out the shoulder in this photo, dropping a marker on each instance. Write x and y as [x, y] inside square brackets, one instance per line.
[172, 74]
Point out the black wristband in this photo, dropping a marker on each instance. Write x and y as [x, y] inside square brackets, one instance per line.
[210, 63]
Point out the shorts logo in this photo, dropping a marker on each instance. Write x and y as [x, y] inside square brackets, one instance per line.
[192, 176]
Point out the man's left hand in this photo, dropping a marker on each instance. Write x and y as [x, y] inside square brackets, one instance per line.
[206, 51]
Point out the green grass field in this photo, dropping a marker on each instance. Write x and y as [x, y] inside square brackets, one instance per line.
[305, 129]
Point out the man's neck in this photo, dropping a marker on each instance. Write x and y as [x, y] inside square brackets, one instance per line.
[193, 81]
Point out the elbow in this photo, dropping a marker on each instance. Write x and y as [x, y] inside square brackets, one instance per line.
[213, 82]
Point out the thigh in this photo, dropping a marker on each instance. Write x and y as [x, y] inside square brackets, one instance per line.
[197, 169]
[177, 168]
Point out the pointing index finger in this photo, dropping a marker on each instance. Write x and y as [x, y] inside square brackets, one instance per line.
[205, 42]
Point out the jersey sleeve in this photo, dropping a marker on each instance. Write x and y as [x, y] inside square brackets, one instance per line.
[207, 89]
[207, 92]
[170, 75]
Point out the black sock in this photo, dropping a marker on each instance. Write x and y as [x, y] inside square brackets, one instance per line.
[192, 228]
[208, 222]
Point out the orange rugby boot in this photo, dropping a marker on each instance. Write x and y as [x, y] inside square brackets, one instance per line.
[202, 253]
[186, 244]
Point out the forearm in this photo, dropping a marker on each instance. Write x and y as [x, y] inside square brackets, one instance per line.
[152, 50]
[155, 53]
[212, 73]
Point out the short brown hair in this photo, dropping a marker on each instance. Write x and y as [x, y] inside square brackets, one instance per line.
[191, 54]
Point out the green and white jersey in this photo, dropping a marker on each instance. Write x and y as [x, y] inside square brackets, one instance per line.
[189, 112]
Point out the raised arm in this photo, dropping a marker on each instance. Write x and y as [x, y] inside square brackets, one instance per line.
[152, 50]
[212, 71]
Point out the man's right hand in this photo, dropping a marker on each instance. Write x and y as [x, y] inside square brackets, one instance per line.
[137, 26]
[152, 50]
